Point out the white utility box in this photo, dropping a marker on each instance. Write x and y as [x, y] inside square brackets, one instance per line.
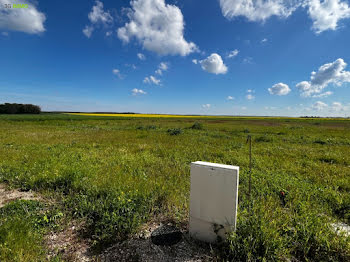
[213, 200]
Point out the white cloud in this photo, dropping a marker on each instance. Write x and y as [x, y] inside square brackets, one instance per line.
[259, 10]
[88, 31]
[230, 98]
[233, 53]
[270, 108]
[337, 106]
[28, 20]
[195, 61]
[162, 67]
[319, 106]
[117, 73]
[136, 91]
[279, 89]
[325, 15]
[151, 80]
[331, 73]
[264, 40]
[158, 27]
[325, 94]
[213, 64]
[206, 106]
[249, 97]
[97, 16]
[248, 60]
[141, 56]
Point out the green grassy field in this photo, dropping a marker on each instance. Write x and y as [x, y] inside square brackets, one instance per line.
[116, 173]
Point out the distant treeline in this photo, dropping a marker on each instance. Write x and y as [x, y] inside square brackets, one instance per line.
[8, 108]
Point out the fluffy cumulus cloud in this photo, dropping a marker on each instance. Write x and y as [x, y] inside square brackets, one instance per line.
[319, 106]
[337, 106]
[151, 80]
[213, 64]
[136, 91]
[259, 10]
[279, 89]
[158, 26]
[230, 98]
[97, 14]
[325, 14]
[97, 17]
[330, 73]
[28, 20]
[206, 106]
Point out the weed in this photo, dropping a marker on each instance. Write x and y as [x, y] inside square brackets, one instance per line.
[197, 126]
[263, 139]
[174, 131]
[319, 141]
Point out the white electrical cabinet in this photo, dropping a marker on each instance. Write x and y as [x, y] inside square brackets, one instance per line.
[213, 200]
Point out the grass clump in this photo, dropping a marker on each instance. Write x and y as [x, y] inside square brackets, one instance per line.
[197, 126]
[148, 127]
[22, 226]
[320, 141]
[175, 131]
[110, 216]
[263, 139]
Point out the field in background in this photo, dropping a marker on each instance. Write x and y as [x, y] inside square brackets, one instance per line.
[132, 115]
[117, 172]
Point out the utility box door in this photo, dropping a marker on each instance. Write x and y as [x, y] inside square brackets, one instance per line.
[213, 200]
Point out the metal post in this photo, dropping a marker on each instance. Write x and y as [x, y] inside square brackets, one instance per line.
[249, 139]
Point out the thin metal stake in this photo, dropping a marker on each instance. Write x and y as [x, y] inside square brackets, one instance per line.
[249, 138]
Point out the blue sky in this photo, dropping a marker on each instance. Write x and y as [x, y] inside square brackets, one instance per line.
[232, 57]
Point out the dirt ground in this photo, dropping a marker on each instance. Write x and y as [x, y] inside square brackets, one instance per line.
[7, 195]
[69, 244]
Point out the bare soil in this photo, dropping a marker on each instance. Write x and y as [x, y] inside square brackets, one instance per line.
[69, 244]
[7, 195]
[141, 248]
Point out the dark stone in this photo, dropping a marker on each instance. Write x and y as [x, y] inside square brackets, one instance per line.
[166, 235]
